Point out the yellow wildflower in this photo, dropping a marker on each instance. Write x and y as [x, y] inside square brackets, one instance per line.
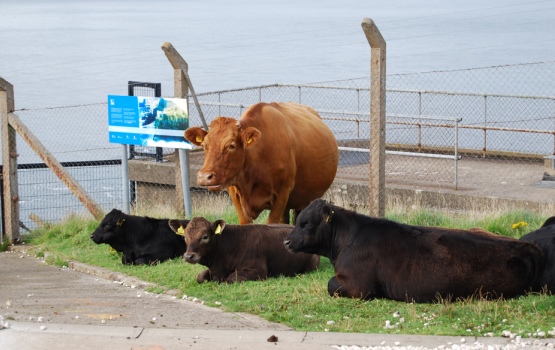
[519, 224]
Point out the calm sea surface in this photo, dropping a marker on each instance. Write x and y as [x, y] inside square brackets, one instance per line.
[72, 52]
[75, 52]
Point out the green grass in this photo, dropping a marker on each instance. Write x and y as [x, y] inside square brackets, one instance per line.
[303, 303]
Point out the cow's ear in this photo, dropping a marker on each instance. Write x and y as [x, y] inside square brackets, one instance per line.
[218, 226]
[195, 135]
[327, 213]
[176, 226]
[119, 218]
[251, 136]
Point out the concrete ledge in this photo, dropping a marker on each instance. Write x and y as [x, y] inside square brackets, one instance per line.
[356, 196]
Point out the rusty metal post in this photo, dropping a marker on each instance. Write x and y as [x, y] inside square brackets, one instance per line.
[9, 166]
[377, 117]
[181, 86]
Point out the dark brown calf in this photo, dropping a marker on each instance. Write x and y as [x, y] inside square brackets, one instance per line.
[235, 253]
[378, 258]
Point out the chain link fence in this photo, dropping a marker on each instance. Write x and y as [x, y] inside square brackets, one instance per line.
[433, 119]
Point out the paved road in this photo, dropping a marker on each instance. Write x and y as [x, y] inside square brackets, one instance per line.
[84, 307]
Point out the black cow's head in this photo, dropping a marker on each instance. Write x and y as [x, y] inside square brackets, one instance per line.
[549, 222]
[198, 234]
[111, 230]
[311, 228]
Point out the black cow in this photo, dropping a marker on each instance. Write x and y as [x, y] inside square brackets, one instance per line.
[379, 258]
[544, 238]
[142, 240]
[236, 253]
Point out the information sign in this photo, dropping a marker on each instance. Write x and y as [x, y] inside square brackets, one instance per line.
[148, 121]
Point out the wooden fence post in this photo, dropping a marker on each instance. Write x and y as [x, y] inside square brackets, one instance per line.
[377, 117]
[9, 165]
[181, 85]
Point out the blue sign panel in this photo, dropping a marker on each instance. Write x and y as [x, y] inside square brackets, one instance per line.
[148, 121]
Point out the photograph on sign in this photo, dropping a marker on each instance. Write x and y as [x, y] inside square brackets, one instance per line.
[148, 121]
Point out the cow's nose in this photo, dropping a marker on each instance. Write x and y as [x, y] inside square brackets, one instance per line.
[205, 178]
[189, 257]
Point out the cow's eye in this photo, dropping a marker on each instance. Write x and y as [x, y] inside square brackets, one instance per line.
[205, 237]
[231, 146]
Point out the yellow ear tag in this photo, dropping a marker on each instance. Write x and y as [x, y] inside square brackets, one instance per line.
[218, 230]
[249, 140]
[199, 139]
[180, 231]
[328, 218]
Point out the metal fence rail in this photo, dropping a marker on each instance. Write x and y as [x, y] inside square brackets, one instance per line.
[512, 119]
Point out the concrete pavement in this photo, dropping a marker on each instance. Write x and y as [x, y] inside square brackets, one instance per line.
[27, 335]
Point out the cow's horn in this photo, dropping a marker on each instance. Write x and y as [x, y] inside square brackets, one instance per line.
[238, 124]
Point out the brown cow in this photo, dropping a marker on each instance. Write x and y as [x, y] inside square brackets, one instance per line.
[236, 253]
[277, 156]
[379, 258]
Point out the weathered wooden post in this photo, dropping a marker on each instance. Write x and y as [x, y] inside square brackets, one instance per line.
[377, 117]
[181, 87]
[9, 165]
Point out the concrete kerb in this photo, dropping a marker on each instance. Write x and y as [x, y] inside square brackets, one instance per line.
[255, 338]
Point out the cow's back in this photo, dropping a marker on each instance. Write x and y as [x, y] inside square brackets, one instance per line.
[264, 244]
[463, 263]
[422, 263]
[280, 261]
[295, 141]
[151, 237]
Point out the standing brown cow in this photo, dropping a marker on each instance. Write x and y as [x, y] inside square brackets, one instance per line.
[277, 156]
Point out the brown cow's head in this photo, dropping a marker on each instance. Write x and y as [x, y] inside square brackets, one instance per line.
[198, 234]
[224, 151]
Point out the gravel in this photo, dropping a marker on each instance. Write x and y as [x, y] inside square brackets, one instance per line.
[516, 343]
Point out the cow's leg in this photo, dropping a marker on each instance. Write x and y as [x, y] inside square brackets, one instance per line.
[335, 288]
[248, 274]
[128, 259]
[279, 205]
[286, 217]
[146, 260]
[342, 289]
[236, 199]
[204, 276]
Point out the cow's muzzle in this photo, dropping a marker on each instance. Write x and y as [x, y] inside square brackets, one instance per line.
[209, 179]
[191, 258]
[287, 244]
